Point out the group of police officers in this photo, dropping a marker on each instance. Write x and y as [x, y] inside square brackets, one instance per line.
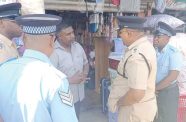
[146, 78]
[32, 90]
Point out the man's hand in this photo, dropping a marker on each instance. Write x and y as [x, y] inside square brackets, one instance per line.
[76, 78]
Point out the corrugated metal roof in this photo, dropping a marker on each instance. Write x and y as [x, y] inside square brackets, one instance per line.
[79, 5]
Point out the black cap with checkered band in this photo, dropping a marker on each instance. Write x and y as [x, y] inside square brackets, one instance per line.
[38, 24]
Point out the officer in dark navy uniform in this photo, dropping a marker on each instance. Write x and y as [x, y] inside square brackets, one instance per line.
[169, 62]
[133, 90]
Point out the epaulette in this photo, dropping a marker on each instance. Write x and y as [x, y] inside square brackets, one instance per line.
[134, 51]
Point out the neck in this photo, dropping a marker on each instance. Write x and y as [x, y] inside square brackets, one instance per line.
[6, 35]
[135, 38]
[67, 47]
[164, 45]
[38, 49]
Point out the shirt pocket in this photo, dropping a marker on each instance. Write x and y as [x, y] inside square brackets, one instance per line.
[165, 68]
[79, 60]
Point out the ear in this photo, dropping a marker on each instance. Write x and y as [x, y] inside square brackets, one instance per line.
[23, 36]
[129, 33]
[1, 23]
[52, 41]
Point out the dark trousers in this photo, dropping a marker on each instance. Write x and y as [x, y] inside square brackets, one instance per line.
[167, 101]
[77, 106]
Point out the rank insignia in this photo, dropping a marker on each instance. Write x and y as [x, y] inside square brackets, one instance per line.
[66, 98]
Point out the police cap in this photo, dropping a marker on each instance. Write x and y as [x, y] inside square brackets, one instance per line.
[38, 24]
[132, 22]
[10, 11]
[164, 29]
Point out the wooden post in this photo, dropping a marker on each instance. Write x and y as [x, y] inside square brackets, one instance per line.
[102, 50]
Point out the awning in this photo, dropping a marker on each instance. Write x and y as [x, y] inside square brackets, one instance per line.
[80, 5]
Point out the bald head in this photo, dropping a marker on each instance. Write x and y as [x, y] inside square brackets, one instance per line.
[129, 36]
[43, 43]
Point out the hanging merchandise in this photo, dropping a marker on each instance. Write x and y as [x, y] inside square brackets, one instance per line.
[94, 22]
[130, 5]
[160, 5]
[116, 2]
[101, 23]
[115, 28]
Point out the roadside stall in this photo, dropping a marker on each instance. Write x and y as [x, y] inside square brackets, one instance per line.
[101, 37]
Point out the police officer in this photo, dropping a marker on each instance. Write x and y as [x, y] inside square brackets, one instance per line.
[8, 30]
[31, 89]
[169, 62]
[132, 93]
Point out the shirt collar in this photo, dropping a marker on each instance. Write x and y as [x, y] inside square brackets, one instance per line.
[58, 45]
[136, 43]
[164, 49]
[36, 55]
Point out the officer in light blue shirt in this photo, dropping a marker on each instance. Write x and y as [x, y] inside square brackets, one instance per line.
[31, 89]
[168, 59]
[169, 63]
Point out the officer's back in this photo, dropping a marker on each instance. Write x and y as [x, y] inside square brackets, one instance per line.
[31, 89]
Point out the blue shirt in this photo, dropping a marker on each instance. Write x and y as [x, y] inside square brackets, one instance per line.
[168, 59]
[30, 91]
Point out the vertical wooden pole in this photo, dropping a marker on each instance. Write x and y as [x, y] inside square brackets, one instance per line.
[102, 50]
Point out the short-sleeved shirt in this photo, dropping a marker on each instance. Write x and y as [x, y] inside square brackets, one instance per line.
[168, 59]
[30, 91]
[69, 63]
[137, 76]
[8, 49]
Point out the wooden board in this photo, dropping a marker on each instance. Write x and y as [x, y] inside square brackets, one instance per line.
[102, 50]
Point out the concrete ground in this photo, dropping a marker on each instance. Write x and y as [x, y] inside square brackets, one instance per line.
[91, 108]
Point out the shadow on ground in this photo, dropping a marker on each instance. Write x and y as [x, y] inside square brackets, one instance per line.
[91, 108]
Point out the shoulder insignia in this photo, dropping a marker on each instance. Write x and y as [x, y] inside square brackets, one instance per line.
[66, 98]
[135, 51]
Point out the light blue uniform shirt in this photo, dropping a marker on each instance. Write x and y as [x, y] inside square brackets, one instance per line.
[168, 59]
[29, 91]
